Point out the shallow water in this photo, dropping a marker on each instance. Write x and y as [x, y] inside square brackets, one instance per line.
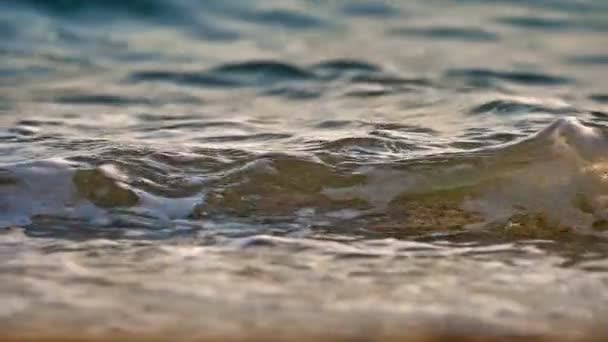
[216, 167]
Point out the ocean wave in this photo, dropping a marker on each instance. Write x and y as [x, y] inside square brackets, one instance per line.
[554, 180]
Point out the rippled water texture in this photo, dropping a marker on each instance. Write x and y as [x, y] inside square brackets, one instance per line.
[369, 168]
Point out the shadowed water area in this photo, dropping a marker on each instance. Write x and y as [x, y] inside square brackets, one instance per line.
[366, 168]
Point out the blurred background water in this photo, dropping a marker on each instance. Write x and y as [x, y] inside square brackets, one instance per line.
[364, 167]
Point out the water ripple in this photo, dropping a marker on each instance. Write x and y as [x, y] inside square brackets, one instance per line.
[590, 60]
[101, 99]
[249, 73]
[372, 9]
[138, 8]
[487, 77]
[506, 107]
[553, 24]
[600, 98]
[285, 19]
[448, 33]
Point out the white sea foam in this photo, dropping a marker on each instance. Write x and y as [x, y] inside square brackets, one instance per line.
[47, 188]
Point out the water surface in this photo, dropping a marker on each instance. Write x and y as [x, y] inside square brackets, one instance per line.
[363, 167]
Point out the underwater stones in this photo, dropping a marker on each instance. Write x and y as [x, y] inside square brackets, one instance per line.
[102, 190]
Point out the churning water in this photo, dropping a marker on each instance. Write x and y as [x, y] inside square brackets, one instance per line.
[204, 167]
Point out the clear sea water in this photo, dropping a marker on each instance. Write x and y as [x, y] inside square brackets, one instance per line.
[359, 167]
